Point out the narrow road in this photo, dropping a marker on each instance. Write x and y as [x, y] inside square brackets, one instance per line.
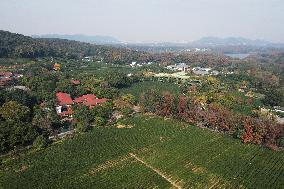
[173, 183]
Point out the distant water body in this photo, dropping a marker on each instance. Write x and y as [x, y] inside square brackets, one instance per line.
[240, 56]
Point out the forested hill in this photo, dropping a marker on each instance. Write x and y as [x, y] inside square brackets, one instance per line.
[17, 45]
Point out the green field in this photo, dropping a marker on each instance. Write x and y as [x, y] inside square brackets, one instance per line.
[137, 89]
[154, 153]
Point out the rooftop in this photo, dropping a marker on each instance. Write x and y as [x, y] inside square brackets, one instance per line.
[89, 100]
[64, 99]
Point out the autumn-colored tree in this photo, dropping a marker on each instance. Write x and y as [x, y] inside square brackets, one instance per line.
[247, 136]
[195, 112]
[149, 100]
[220, 118]
[166, 105]
[274, 133]
[125, 103]
[182, 108]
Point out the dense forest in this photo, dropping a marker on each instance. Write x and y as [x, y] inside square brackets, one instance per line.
[17, 45]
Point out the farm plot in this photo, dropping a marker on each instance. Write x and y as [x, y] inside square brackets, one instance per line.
[155, 153]
[137, 89]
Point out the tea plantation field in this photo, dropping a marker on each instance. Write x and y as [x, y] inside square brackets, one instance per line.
[137, 89]
[150, 153]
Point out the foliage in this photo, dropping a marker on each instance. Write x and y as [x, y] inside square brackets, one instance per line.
[15, 134]
[100, 121]
[43, 86]
[14, 112]
[117, 79]
[103, 111]
[82, 126]
[124, 104]
[257, 130]
[82, 117]
[16, 45]
[46, 119]
[274, 97]
[20, 96]
[40, 142]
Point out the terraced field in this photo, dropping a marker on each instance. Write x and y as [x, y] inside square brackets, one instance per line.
[154, 153]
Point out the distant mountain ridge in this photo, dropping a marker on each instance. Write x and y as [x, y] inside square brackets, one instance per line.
[97, 39]
[203, 42]
[232, 41]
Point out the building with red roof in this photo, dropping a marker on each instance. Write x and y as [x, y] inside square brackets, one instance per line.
[90, 100]
[65, 102]
[64, 108]
[64, 99]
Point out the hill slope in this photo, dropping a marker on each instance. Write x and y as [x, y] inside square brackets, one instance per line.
[17, 45]
[82, 38]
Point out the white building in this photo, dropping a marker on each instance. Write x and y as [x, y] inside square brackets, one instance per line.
[178, 67]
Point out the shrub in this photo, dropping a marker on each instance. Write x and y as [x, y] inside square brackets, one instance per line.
[40, 142]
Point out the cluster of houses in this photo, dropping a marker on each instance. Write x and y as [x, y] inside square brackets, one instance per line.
[135, 64]
[197, 50]
[183, 67]
[178, 67]
[204, 71]
[65, 103]
[6, 78]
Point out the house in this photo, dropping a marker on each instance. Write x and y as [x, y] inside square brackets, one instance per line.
[87, 59]
[171, 67]
[64, 105]
[201, 71]
[89, 100]
[133, 64]
[182, 67]
[178, 67]
[65, 102]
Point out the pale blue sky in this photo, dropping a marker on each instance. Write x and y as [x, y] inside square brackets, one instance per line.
[147, 20]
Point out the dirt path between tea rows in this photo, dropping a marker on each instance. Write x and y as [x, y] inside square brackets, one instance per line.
[173, 183]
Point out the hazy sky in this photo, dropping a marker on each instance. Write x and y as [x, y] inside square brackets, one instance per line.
[147, 20]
